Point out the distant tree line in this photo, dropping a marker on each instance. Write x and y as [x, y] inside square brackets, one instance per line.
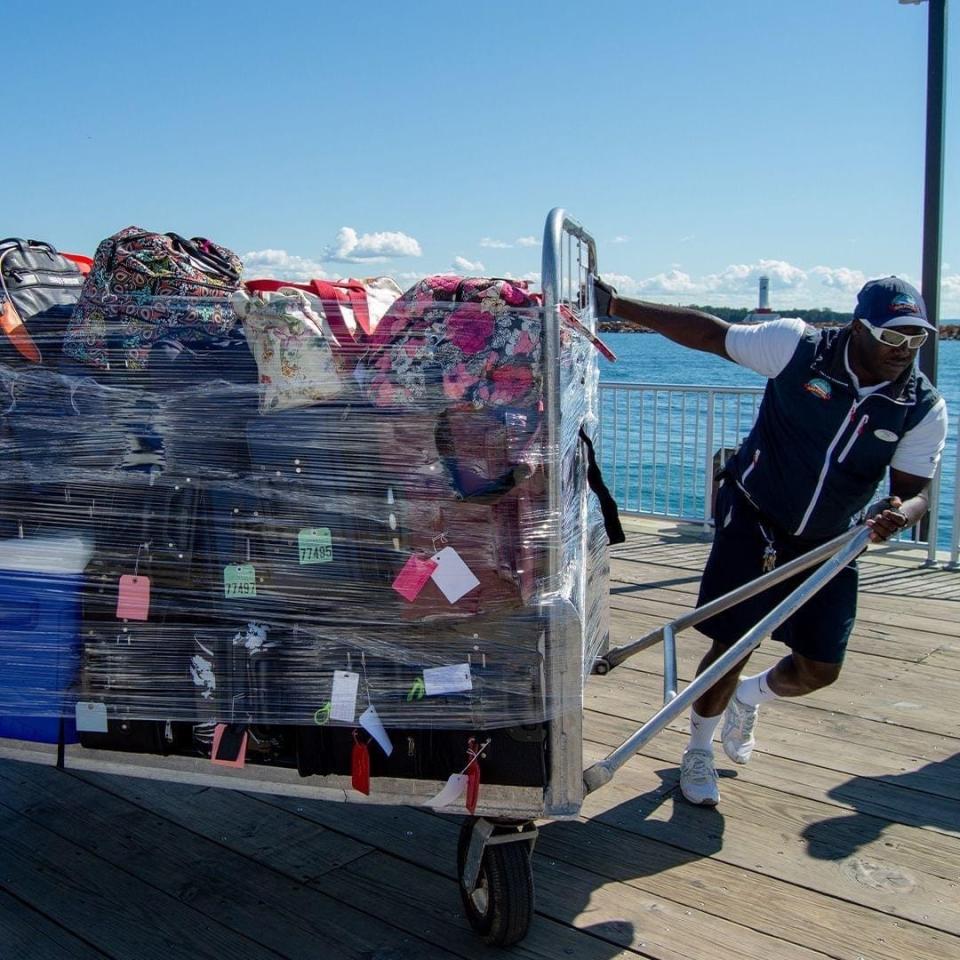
[820, 315]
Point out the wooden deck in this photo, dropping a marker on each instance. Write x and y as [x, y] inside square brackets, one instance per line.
[841, 839]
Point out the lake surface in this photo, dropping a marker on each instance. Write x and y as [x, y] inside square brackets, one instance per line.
[648, 358]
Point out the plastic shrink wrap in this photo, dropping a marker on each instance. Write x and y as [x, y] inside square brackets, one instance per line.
[292, 523]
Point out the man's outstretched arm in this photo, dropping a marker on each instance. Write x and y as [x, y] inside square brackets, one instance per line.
[688, 327]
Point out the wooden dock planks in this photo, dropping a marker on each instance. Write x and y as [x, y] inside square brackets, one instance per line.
[840, 840]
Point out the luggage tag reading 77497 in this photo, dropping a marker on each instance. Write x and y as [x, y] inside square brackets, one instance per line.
[239, 581]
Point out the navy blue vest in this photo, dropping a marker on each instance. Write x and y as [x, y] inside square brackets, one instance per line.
[815, 455]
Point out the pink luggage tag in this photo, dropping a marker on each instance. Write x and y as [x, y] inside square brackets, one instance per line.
[413, 577]
[133, 598]
[229, 745]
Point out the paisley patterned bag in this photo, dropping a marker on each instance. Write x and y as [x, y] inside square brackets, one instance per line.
[144, 287]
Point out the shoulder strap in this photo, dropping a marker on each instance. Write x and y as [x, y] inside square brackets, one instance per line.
[608, 506]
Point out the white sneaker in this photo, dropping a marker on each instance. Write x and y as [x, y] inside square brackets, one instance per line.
[698, 778]
[739, 724]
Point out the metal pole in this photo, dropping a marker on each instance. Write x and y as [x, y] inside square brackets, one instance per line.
[708, 466]
[954, 563]
[669, 664]
[933, 519]
[933, 176]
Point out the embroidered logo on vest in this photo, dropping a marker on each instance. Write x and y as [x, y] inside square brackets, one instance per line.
[819, 388]
[887, 435]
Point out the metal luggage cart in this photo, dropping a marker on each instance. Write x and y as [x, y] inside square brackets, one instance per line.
[495, 844]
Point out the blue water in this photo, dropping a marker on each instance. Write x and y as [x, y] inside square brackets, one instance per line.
[648, 358]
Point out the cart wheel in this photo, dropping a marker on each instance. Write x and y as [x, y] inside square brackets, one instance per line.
[501, 907]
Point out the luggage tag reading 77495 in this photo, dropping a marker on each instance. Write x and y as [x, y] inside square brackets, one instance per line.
[315, 545]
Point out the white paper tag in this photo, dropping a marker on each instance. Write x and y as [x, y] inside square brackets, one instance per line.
[452, 679]
[453, 790]
[91, 717]
[343, 699]
[454, 578]
[370, 721]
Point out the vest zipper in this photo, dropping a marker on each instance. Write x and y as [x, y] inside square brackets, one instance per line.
[854, 437]
[753, 463]
[825, 468]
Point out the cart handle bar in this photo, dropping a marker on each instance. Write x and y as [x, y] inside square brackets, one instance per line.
[841, 551]
[616, 656]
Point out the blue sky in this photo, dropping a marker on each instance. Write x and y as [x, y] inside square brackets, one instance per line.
[703, 142]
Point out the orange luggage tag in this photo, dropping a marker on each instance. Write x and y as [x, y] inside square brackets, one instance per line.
[12, 326]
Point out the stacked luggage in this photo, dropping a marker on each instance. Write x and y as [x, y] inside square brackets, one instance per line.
[272, 523]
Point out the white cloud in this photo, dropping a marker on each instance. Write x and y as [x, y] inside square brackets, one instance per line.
[531, 276]
[463, 265]
[280, 265]
[625, 284]
[407, 278]
[349, 247]
[673, 281]
[505, 245]
[950, 296]
[620, 239]
[842, 278]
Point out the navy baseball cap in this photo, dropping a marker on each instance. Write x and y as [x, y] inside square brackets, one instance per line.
[891, 302]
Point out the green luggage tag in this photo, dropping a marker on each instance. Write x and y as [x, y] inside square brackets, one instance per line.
[316, 545]
[239, 581]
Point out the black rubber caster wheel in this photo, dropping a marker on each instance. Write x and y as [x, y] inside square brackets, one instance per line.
[500, 908]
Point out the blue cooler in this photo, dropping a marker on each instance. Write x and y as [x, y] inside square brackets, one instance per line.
[40, 589]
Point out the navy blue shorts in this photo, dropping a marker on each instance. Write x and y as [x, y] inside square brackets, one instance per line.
[819, 630]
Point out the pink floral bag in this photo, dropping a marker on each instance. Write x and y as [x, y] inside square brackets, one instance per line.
[452, 340]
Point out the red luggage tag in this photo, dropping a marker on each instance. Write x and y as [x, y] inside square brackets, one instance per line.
[229, 745]
[133, 598]
[473, 775]
[571, 320]
[360, 766]
[414, 576]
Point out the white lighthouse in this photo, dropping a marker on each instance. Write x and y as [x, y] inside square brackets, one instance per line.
[763, 311]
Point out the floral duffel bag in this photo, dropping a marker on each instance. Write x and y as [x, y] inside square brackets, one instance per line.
[451, 340]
